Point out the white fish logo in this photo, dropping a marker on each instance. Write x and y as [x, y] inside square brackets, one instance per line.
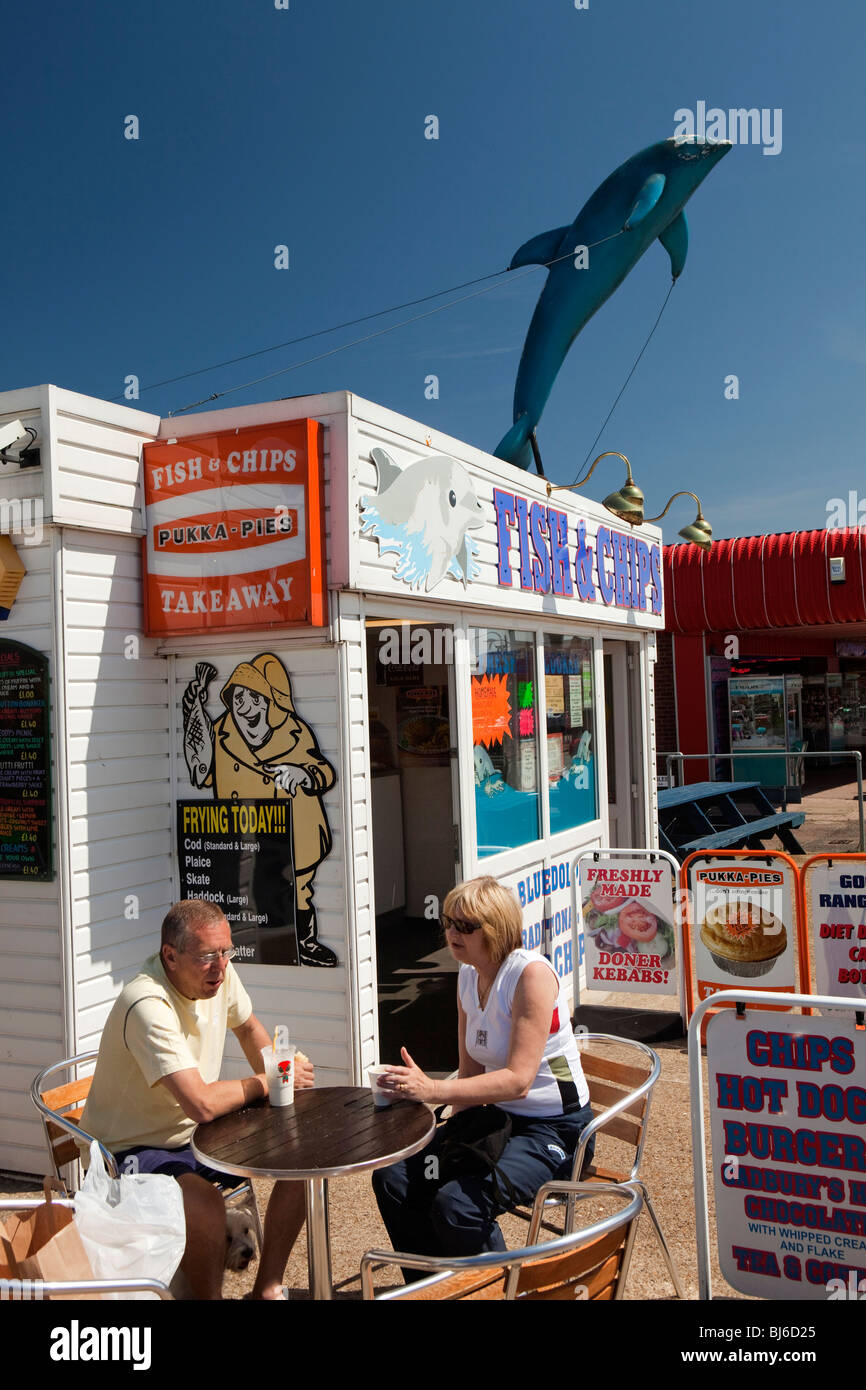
[423, 513]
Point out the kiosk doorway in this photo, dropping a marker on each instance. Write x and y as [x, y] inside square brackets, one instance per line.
[413, 762]
[622, 706]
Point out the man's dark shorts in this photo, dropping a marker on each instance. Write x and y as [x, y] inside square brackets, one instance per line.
[174, 1162]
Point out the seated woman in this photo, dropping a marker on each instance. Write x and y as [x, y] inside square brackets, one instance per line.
[518, 1054]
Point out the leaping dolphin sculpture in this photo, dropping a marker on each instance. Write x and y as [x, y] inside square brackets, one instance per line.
[641, 200]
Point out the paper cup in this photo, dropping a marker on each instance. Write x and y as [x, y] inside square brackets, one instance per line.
[380, 1098]
[280, 1074]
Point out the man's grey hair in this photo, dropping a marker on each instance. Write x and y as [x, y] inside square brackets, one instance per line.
[184, 917]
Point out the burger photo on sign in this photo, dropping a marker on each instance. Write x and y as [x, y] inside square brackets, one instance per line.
[617, 922]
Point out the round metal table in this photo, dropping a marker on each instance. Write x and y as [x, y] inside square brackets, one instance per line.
[330, 1131]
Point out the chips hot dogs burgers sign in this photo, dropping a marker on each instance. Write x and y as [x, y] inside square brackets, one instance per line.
[235, 530]
[787, 1116]
[628, 924]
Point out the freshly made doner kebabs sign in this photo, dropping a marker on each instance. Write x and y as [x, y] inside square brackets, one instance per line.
[627, 906]
[235, 534]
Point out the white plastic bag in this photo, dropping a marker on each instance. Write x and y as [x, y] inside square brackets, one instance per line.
[132, 1227]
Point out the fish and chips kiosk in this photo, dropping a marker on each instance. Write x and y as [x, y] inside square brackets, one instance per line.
[315, 662]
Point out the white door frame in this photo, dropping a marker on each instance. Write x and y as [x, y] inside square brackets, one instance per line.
[626, 792]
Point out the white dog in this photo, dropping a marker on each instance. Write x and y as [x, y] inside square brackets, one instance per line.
[241, 1248]
[241, 1244]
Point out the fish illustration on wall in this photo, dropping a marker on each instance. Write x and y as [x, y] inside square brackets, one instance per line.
[423, 513]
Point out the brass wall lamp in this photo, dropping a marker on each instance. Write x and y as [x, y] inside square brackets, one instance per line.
[628, 503]
[700, 532]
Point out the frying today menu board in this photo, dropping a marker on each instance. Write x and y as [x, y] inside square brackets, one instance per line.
[25, 768]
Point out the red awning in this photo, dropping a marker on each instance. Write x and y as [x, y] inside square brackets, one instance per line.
[765, 582]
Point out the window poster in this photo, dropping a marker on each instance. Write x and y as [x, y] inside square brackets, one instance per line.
[575, 699]
[25, 764]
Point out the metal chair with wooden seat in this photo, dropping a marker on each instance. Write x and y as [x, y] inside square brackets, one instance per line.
[591, 1264]
[60, 1109]
[620, 1093]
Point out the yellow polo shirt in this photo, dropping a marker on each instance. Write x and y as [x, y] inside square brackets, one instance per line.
[151, 1032]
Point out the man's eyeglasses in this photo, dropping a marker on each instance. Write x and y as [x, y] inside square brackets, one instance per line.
[211, 957]
[460, 925]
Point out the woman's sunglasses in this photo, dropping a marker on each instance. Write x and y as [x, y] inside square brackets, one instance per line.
[459, 925]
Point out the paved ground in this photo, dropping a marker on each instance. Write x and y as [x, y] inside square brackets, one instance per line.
[356, 1226]
[832, 818]
[831, 824]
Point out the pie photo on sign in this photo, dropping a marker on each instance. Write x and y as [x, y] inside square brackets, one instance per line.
[743, 938]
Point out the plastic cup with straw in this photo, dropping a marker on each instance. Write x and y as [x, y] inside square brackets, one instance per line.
[279, 1060]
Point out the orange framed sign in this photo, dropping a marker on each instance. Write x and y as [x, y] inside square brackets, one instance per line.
[834, 908]
[743, 923]
[235, 530]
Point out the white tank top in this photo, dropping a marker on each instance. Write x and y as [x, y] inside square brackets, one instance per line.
[560, 1082]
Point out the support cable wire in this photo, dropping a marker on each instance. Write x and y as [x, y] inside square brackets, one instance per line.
[591, 448]
[349, 323]
[366, 338]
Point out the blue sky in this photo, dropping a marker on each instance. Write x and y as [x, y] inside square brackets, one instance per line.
[305, 127]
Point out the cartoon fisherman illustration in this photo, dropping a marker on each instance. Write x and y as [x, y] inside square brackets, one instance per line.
[260, 749]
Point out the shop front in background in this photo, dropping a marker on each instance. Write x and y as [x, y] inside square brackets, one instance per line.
[528, 699]
[785, 706]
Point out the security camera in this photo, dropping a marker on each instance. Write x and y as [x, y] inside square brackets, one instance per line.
[11, 431]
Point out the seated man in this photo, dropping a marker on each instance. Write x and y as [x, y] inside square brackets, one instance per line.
[157, 1078]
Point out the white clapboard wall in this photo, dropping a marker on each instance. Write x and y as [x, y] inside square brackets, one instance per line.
[358, 800]
[117, 739]
[317, 1004]
[63, 942]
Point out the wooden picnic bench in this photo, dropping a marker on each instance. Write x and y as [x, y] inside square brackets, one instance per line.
[723, 815]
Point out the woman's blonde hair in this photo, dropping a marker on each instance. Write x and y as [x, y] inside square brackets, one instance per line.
[496, 908]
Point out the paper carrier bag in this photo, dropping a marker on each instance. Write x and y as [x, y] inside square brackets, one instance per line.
[44, 1243]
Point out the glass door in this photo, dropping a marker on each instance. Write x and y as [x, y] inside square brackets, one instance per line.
[412, 732]
[622, 725]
